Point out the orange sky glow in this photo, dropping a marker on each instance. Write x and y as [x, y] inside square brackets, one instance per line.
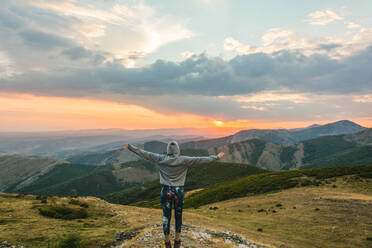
[25, 112]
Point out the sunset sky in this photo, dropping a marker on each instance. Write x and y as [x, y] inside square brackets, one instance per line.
[216, 64]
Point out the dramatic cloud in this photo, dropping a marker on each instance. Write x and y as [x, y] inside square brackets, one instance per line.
[67, 49]
[208, 76]
[125, 32]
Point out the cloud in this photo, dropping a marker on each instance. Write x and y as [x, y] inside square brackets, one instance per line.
[208, 76]
[352, 25]
[87, 53]
[187, 54]
[323, 17]
[139, 21]
[277, 40]
[122, 32]
[275, 34]
[230, 44]
[40, 40]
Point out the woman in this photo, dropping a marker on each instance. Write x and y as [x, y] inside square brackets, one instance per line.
[172, 170]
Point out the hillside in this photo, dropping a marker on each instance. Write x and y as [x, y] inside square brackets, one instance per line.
[279, 136]
[198, 176]
[88, 180]
[334, 214]
[20, 171]
[97, 183]
[115, 155]
[110, 156]
[58, 174]
[352, 149]
[85, 179]
[357, 156]
[273, 181]
[259, 184]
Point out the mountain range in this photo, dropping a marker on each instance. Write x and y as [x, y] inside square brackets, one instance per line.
[63, 144]
[109, 167]
[332, 150]
[279, 136]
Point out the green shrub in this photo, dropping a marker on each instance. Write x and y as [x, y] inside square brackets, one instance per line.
[305, 182]
[60, 212]
[79, 203]
[71, 241]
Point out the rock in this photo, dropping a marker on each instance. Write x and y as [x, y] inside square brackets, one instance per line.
[111, 214]
[121, 236]
[125, 235]
[228, 241]
[192, 236]
[6, 244]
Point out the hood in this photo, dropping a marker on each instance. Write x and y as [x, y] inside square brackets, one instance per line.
[173, 148]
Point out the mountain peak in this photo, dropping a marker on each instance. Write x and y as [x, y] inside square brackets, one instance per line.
[345, 123]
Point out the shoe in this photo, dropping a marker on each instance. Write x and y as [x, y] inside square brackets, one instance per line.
[177, 243]
[168, 244]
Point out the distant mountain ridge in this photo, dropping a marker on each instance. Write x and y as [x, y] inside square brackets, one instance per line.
[353, 148]
[122, 154]
[279, 136]
[63, 144]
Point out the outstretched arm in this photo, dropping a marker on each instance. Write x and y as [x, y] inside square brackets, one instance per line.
[151, 156]
[199, 160]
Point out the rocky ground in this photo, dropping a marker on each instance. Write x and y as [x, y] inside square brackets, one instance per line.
[6, 244]
[192, 236]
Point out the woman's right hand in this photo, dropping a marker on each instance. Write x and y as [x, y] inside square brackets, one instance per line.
[220, 155]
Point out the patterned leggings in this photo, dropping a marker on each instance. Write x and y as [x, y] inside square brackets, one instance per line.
[169, 194]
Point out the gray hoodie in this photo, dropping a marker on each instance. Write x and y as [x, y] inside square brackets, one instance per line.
[172, 166]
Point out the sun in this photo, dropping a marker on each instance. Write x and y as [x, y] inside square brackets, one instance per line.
[218, 123]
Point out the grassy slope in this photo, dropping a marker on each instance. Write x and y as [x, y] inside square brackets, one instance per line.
[343, 219]
[264, 183]
[85, 179]
[21, 223]
[324, 146]
[99, 182]
[198, 176]
[58, 174]
[271, 181]
[360, 155]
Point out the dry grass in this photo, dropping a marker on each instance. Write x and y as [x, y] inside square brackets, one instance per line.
[21, 223]
[344, 218]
